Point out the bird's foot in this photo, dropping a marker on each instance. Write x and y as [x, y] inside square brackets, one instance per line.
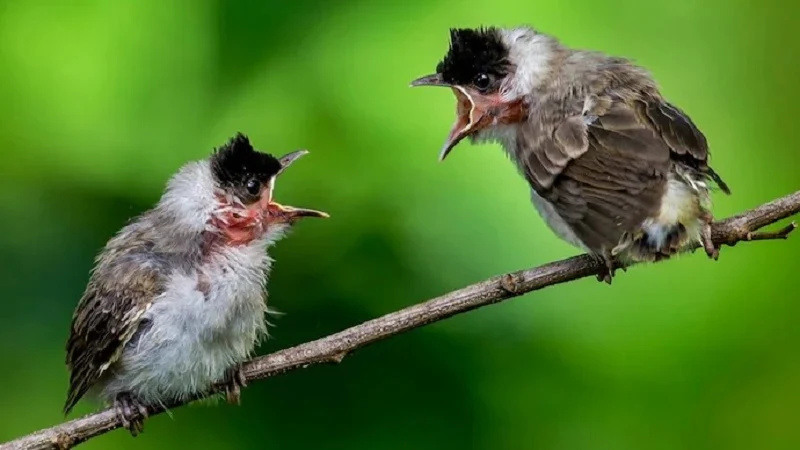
[234, 384]
[608, 268]
[132, 413]
[675, 241]
[705, 238]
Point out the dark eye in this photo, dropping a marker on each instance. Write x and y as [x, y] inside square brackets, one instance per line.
[482, 81]
[253, 186]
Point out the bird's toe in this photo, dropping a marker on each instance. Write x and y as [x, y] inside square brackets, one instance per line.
[131, 413]
[236, 380]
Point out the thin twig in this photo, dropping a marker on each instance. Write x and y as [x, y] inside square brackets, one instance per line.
[334, 348]
[783, 233]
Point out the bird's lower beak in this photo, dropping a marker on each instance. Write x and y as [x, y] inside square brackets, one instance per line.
[470, 117]
[274, 212]
[277, 213]
[473, 112]
[476, 112]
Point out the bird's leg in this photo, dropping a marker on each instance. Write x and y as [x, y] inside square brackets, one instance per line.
[674, 240]
[131, 412]
[705, 236]
[608, 268]
[234, 383]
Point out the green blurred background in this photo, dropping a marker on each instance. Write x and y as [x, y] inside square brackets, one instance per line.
[103, 100]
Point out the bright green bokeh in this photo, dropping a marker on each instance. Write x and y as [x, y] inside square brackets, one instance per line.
[103, 100]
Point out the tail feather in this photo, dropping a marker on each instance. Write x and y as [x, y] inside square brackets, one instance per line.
[717, 179]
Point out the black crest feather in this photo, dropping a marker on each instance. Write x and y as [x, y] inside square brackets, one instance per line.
[473, 51]
[236, 162]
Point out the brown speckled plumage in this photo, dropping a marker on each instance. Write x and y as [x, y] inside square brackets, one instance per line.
[602, 148]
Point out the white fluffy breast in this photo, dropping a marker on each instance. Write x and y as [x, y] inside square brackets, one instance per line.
[199, 328]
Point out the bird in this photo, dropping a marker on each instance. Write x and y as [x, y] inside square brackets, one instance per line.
[176, 300]
[613, 167]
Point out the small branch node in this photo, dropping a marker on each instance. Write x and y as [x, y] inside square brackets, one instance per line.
[510, 283]
[61, 441]
[337, 358]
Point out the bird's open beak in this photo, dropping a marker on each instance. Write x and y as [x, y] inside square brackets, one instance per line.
[277, 213]
[473, 111]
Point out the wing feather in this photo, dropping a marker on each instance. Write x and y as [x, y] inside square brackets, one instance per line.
[604, 169]
[109, 314]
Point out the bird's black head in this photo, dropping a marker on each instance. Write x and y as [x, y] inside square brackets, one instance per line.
[475, 67]
[476, 57]
[243, 171]
[250, 176]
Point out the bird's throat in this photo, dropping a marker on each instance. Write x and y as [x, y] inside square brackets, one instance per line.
[238, 227]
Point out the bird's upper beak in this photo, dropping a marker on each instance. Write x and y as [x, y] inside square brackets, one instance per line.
[273, 211]
[474, 111]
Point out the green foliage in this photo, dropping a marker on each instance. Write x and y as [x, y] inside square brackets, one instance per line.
[103, 100]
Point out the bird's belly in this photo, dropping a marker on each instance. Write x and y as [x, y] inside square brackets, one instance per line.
[193, 335]
[555, 222]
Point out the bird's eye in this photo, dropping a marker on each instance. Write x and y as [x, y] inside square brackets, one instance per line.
[482, 81]
[253, 186]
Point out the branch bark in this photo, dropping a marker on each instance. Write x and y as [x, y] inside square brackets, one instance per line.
[334, 348]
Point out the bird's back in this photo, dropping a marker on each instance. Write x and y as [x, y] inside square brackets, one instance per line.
[605, 155]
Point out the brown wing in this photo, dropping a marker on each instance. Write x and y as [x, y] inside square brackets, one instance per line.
[685, 140]
[108, 316]
[604, 170]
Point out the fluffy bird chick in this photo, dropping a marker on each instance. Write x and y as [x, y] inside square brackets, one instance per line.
[614, 168]
[176, 301]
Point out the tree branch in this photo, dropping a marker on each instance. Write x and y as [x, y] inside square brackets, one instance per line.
[333, 349]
